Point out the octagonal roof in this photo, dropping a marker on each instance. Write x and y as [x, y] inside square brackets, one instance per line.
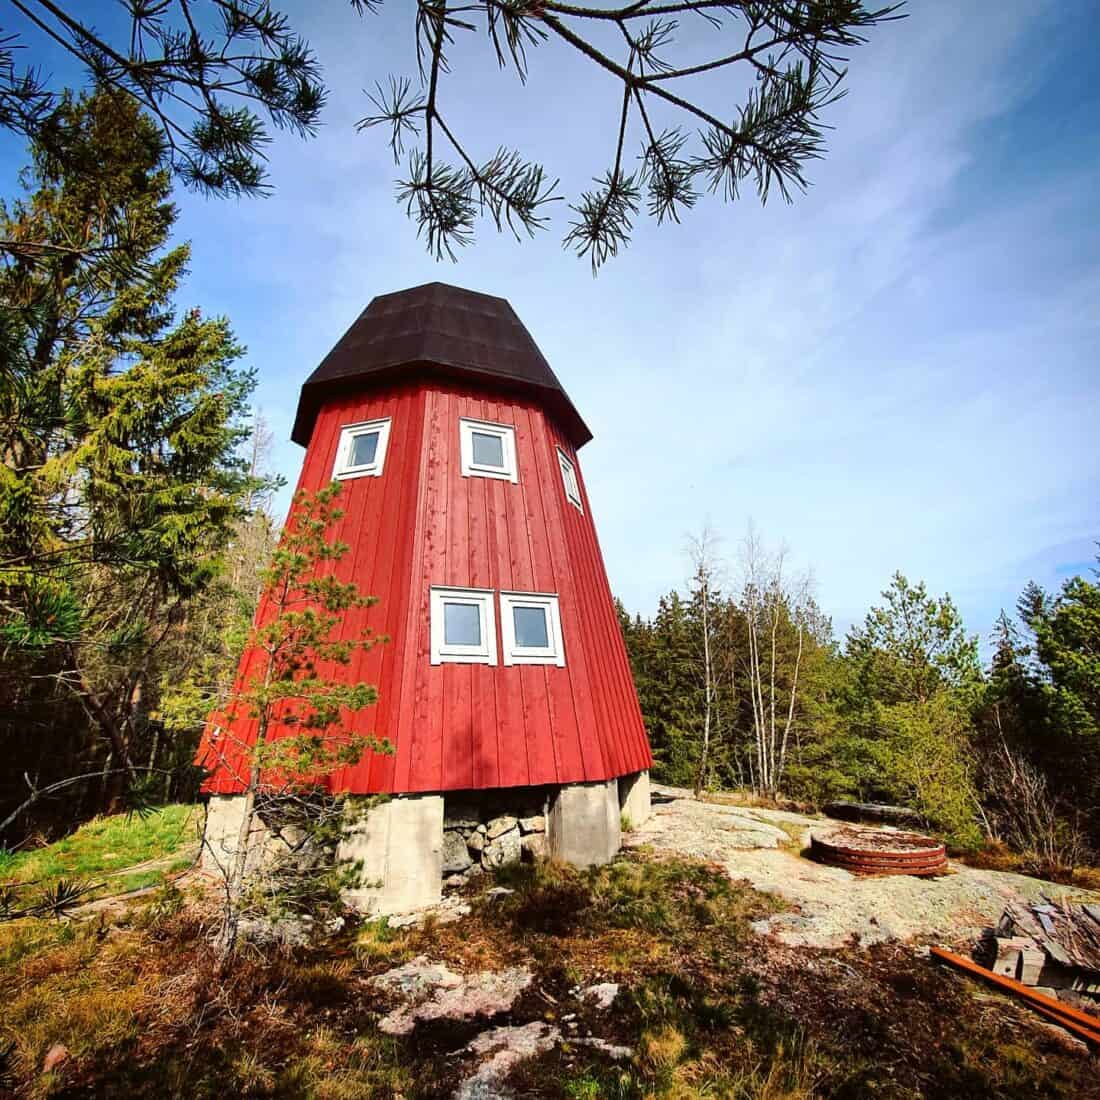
[437, 327]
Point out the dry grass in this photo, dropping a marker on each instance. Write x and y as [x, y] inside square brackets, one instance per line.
[708, 1009]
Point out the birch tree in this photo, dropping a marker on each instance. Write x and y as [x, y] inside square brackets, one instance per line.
[707, 569]
[776, 604]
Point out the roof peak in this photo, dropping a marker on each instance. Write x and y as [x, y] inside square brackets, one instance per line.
[438, 326]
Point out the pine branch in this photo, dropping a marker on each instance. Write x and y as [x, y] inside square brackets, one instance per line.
[796, 49]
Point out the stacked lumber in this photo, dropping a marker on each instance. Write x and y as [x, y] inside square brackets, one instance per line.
[1051, 944]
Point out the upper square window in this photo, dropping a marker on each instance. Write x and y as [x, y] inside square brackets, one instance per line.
[530, 626]
[362, 449]
[488, 450]
[463, 628]
[569, 480]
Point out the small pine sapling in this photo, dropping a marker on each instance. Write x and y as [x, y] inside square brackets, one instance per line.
[291, 692]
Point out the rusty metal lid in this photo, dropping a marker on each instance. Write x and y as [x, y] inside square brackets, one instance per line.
[439, 328]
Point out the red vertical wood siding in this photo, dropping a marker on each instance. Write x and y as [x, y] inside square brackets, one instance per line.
[456, 726]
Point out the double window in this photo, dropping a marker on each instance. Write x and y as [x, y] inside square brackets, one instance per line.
[488, 450]
[361, 451]
[463, 627]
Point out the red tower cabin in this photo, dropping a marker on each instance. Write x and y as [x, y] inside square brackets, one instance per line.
[505, 687]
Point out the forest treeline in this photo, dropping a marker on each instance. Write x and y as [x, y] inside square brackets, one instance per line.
[743, 684]
[134, 500]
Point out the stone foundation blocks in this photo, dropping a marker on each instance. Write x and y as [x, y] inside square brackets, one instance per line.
[400, 846]
[634, 799]
[583, 823]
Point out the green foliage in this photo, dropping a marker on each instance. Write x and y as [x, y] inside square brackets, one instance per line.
[201, 71]
[925, 761]
[302, 711]
[911, 647]
[298, 635]
[662, 656]
[122, 480]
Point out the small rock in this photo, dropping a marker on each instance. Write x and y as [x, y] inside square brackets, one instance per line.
[504, 849]
[535, 847]
[55, 1056]
[612, 1050]
[508, 1047]
[455, 856]
[501, 825]
[417, 978]
[451, 882]
[291, 931]
[602, 995]
[483, 828]
[475, 842]
[536, 824]
[498, 892]
[434, 992]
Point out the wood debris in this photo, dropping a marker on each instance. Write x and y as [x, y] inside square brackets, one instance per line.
[1051, 944]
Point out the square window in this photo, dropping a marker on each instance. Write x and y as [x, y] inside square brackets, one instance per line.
[530, 625]
[463, 628]
[461, 623]
[361, 451]
[487, 450]
[569, 480]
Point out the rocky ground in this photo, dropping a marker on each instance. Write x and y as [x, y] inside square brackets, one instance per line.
[828, 906]
[709, 960]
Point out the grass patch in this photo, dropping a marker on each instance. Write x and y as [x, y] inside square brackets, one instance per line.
[707, 1008]
[106, 846]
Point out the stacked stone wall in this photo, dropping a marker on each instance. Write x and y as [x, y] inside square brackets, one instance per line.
[484, 830]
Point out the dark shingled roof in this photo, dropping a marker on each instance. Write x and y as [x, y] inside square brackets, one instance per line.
[440, 328]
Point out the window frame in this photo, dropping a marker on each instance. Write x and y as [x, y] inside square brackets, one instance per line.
[505, 432]
[341, 471]
[441, 652]
[569, 474]
[513, 654]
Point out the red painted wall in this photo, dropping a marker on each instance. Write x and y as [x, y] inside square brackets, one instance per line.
[458, 726]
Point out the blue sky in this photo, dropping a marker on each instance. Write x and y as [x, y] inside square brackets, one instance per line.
[896, 372]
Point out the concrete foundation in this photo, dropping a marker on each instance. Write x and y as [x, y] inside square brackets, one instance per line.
[634, 798]
[400, 847]
[583, 824]
[224, 814]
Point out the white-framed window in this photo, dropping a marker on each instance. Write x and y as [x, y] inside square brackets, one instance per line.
[463, 627]
[530, 625]
[569, 480]
[362, 449]
[488, 450]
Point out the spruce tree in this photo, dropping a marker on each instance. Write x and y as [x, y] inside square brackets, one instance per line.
[120, 424]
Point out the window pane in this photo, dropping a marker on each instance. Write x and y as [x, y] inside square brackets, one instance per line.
[571, 482]
[488, 450]
[461, 624]
[530, 625]
[363, 449]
